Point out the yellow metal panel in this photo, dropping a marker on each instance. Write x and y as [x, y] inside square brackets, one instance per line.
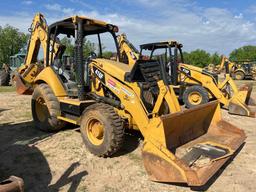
[114, 68]
[68, 120]
[48, 76]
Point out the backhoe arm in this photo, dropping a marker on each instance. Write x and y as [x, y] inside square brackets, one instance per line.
[38, 40]
[129, 54]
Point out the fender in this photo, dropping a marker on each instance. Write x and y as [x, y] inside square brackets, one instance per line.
[48, 76]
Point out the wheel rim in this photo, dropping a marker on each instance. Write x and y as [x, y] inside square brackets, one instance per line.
[238, 76]
[95, 131]
[42, 112]
[195, 98]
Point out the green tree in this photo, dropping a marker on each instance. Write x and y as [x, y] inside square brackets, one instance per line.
[69, 46]
[243, 53]
[88, 47]
[198, 58]
[107, 54]
[11, 41]
[215, 58]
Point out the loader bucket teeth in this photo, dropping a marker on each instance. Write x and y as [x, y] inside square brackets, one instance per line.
[197, 143]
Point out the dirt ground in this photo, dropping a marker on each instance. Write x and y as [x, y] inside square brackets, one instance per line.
[60, 162]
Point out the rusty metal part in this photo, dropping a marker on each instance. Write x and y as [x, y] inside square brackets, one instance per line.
[12, 184]
[192, 129]
[21, 88]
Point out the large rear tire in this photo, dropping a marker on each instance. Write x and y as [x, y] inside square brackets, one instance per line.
[195, 95]
[102, 130]
[45, 109]
[239, 75]
[4, 78]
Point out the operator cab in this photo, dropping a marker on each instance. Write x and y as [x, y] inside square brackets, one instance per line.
[87, 39]
[168, 54]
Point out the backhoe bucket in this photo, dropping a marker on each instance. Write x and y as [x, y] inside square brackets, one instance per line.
[240, 103]
[21, 88]
[190, 146]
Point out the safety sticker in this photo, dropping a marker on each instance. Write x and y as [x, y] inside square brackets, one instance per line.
[111, 84]
[127, 92]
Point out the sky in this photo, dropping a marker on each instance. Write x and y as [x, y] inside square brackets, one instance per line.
[213, 25]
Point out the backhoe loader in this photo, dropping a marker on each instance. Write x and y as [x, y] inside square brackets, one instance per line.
[194, 85]
[238, 70]
[244, 70]
[111, 96]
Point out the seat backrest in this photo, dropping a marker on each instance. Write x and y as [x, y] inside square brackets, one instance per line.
[144, 71]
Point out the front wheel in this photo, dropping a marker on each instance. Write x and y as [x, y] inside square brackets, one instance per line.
[102, 130]
[45, 109]
[195, 95]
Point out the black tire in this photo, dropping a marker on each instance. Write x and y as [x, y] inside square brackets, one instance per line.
[45, 109]
[239, 75]
[4, 78]
[197, 90]
[111, 140]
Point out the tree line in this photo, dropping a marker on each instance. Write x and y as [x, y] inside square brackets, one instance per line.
[12, 41]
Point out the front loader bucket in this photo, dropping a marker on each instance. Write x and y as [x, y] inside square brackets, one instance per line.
[192, 145]
[21, 88]
[240, 103]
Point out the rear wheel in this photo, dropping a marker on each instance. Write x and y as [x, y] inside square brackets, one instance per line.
[102, 130]
[4, 78]
[195, 95]
[239, 75]
[45, 109]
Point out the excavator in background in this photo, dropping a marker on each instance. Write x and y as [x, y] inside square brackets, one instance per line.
[112, 96]
[194, 85]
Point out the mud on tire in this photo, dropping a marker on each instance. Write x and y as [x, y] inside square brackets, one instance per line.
[45, 109]
[102, 130]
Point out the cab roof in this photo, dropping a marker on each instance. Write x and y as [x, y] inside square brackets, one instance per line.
[90, 26]
[163, 44]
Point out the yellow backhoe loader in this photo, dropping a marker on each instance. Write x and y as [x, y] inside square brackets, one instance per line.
[244, 70]
[196, 86]
[238, 70]
[179, 146]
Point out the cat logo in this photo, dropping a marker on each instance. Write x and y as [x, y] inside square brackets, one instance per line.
[186, 71]
[99, 74]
